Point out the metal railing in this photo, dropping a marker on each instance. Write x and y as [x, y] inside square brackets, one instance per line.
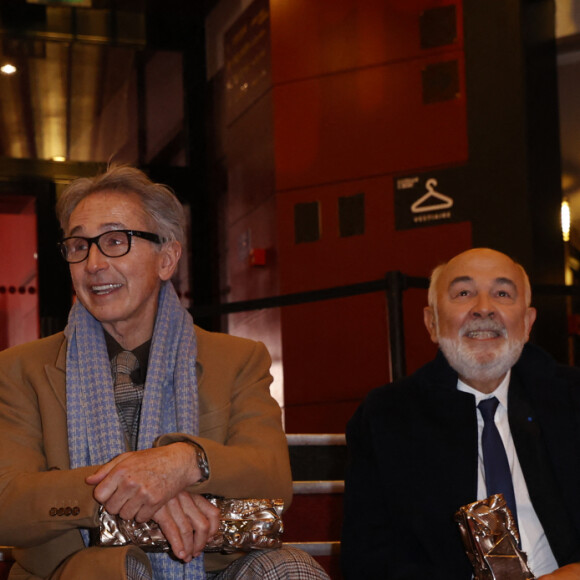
[393, 285]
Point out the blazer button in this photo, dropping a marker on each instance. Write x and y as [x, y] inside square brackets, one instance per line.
[60, 511]
[52, 512]
[68, 511]
[76, 511]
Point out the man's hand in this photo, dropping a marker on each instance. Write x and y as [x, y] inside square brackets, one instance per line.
[138, 484]
[188, 522]
[569, 572]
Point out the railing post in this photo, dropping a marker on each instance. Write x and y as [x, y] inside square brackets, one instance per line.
[395, 284]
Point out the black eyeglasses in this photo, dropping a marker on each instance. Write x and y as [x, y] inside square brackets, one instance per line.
[113, 244]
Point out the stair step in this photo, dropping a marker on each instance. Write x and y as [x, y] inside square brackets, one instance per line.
[316, 548]
[320, 486]
[316, 438]
[316, 456]
[314, 518]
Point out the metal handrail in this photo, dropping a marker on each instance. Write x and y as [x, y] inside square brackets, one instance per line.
[393, 284]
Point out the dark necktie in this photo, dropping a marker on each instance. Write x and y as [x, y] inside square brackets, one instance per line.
[498, 477]
[128, 394]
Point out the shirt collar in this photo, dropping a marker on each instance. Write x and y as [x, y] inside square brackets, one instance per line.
[500, 393]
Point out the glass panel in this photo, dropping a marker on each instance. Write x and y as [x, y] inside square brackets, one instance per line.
[91, 102]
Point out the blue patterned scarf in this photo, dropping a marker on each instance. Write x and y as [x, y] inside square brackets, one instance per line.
[170, 404]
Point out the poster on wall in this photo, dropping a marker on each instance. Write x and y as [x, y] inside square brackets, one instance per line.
[431, 198]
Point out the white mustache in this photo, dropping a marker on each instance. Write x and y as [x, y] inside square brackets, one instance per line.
[477, 327]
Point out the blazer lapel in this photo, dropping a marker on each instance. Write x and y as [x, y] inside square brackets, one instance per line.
[57, 376]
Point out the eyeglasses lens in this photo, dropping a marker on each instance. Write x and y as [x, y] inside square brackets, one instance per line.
[112, 244]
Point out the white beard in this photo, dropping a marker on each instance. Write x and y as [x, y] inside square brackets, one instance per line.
[484, 365]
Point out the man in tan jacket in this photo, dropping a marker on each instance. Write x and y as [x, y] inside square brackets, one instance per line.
[133, 408]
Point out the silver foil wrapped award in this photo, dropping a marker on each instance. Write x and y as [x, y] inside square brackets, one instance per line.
[245, 524]
[491, 539]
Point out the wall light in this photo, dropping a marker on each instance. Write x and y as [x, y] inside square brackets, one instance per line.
[565, 219]
[8, 69]
[59, 158]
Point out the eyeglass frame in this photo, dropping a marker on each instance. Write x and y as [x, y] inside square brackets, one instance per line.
[149, 236]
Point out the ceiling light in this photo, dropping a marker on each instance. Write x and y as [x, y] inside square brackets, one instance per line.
[8, 69]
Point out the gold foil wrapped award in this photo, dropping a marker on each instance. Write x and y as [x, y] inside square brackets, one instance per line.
[245, 524]
[491, 539]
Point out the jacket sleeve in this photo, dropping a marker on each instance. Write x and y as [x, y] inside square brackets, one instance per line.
[40, 498]
[241, 430]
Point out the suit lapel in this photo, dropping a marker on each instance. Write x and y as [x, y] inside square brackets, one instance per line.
[453, 437]
[56, 375]
[451, 420]
[445, 431]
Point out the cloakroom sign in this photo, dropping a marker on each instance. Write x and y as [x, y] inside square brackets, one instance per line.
[430, 198]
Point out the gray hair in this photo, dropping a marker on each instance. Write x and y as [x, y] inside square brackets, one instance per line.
[438, 270]
[159, 202]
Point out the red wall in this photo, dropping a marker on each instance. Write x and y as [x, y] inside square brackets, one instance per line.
[335, 107]
[18, 278]
[349, 116]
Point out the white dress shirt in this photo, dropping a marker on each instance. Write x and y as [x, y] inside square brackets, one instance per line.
[534, 542]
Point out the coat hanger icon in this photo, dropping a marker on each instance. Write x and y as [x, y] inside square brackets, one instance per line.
[444, 201]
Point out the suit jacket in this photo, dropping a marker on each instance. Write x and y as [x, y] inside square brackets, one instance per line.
[413, 463]
[43, 502]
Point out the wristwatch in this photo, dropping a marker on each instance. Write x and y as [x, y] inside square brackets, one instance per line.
[201, 462]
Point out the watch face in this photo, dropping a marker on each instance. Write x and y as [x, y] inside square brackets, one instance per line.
[202, 462]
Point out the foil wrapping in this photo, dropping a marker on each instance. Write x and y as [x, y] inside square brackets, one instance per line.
[491, 539]
[245, 524]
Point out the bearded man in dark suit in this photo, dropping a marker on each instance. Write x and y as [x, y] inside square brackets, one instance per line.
[415, 445]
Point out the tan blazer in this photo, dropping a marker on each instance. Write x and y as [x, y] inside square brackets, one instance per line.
[43, 502]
